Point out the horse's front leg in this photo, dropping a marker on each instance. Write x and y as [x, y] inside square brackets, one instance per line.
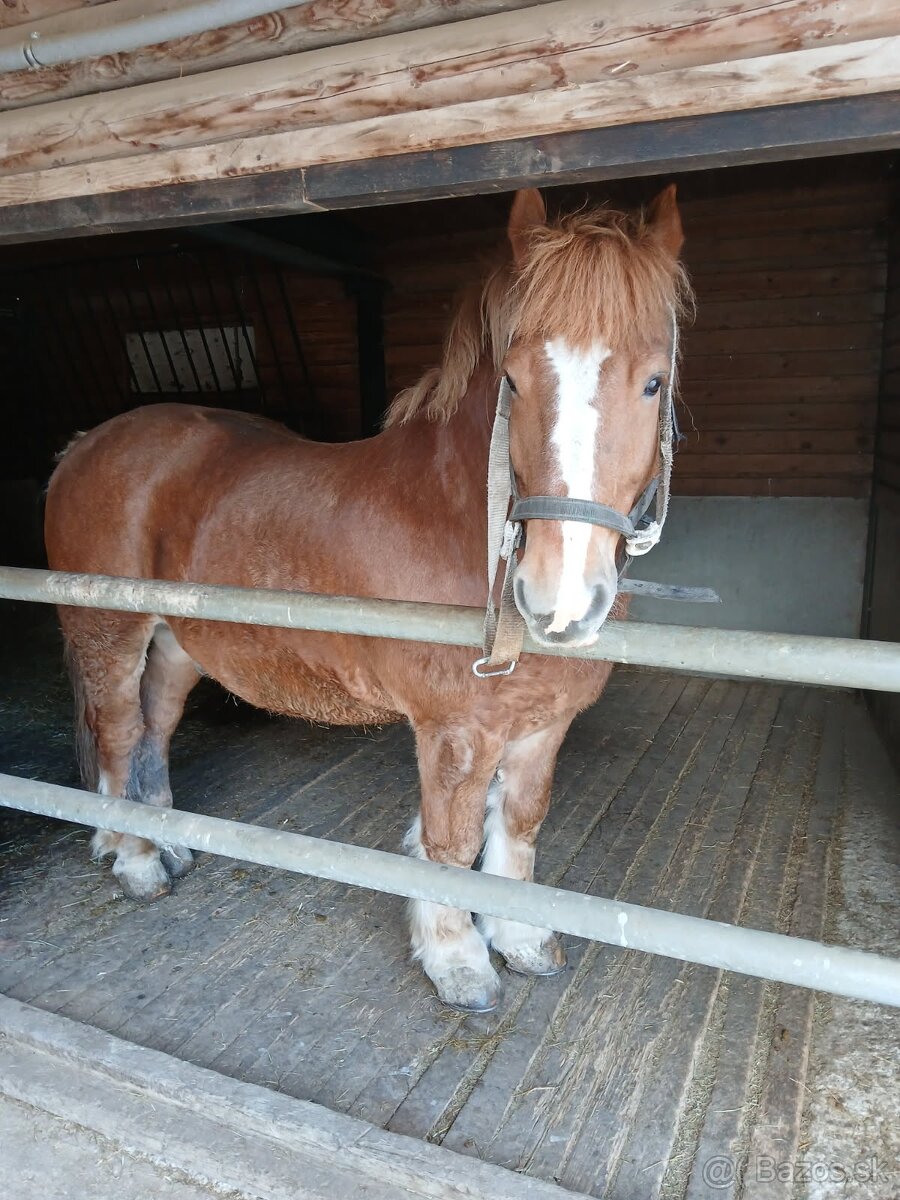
[517, 803]
[456, 764]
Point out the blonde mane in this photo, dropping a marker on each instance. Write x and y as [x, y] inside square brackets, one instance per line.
[596, 275]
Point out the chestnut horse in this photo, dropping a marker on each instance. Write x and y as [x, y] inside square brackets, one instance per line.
[578, 319]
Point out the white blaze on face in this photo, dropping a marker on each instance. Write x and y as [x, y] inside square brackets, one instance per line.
[574, 437]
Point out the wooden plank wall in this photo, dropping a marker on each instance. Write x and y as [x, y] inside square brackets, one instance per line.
[312, 26]
[882, 609]
[63, 330]
[887, 459]
[780, 370]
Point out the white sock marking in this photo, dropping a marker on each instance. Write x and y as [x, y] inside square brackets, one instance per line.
[442, 938]
[502, 855]
[575, 438]
[513, 859]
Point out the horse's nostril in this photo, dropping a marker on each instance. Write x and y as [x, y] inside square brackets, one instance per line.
[537, 620]
[600, 606]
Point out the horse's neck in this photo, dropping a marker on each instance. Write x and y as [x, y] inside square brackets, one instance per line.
[461, 443]
[431, 478]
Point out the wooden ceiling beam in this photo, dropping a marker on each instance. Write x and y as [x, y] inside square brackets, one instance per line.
[818, 129]
[555, 59]
[317, 24]
[831, 72]
[287, 251]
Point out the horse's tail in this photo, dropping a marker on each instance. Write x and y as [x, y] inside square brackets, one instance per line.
[85, 746]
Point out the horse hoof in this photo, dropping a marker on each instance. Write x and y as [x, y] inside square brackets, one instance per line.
[468, 990]
[143, 880]
[543, 959]
[178, 861]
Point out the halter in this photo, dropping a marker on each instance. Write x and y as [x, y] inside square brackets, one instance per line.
[504, 633]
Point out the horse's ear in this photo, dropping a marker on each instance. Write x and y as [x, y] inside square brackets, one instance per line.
[528, 210]
[664, 219]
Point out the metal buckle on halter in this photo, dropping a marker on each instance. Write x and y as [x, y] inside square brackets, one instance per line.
[480, 662]
[643, 540]
[512, 537]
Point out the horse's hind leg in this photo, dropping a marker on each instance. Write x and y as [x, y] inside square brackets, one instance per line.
[106, 653]
[518, 800]
[168, 678]
[456, 765]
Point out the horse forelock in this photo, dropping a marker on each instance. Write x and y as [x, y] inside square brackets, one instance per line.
[596, 276]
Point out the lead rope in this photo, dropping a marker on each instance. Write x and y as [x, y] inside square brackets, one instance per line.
[503, 635]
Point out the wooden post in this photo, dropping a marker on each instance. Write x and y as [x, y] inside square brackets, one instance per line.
[369, 297]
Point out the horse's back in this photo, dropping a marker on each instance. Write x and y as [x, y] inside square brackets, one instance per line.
[148, 472]
[185, 493]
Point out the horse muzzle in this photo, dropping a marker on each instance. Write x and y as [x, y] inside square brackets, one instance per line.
[559, 626]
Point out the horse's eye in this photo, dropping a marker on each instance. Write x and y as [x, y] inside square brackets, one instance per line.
[652, 388]
[510, 382]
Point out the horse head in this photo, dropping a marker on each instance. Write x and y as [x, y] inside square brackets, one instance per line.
[589, 310]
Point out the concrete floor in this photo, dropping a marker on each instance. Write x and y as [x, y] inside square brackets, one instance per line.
[628, 1076]
[87, 1115]
[82, 1163]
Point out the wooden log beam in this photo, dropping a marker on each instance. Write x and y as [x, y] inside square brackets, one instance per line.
[291, 31]
[20, 12]
[773, 134]
[549, 47]
[121, 26]
[859, 69]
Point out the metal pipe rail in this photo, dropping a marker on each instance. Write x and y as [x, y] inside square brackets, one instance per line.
[785, 658]
[773, 956]
[121, 26]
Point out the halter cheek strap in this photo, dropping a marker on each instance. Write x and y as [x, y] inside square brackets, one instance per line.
[645, 539]
[504, 633]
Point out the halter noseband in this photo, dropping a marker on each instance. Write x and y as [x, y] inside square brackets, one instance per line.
[634, 528]
[504, 633]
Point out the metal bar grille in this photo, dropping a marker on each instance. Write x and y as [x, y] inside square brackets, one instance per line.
[742, 654]
[692, 939]
[756, 952]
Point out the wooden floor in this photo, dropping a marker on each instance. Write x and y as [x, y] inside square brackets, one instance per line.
[622, 1078]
